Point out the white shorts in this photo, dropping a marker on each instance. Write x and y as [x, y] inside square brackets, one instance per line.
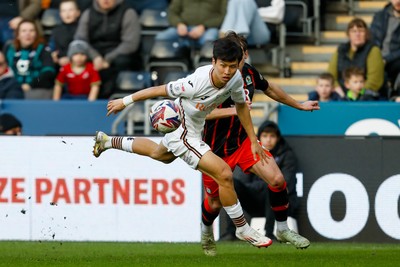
[190, 149]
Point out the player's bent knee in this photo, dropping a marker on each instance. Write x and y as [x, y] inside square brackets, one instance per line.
[278, 181]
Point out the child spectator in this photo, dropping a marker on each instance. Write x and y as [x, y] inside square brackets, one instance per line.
[325, 89]
[9, 87]
[63, 34]
[79, 76]
[354, 81]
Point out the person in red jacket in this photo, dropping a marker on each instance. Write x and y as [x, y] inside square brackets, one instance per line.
[79, 77]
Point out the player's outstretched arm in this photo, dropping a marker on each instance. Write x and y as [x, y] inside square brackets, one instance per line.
[245, 119]
[277, 94]
[116, 105]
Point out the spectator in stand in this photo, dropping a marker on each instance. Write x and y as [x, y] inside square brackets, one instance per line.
[359, 51]
[113, 32]
[10, 125]
[82, 4]
[273, 13]
[253, 192]
[354, 81]
[9, 87]
[79, 77]
[63, 34]
[242, 17]
[324, 89]
[31, 61]
[13, 12]
[385, 29]
[194, 22]
[140, 5]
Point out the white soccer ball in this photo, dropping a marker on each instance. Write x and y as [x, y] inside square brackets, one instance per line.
[165, 116]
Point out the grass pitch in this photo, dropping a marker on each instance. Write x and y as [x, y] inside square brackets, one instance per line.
[190, 254]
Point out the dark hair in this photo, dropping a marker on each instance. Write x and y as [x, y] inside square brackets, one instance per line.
[350, 71]
[227, 49]
[238, 38]
[39, 39]
[327, 76]
[358, 23]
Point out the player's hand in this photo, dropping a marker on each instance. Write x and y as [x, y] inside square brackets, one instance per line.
[257, 149]
[310, 105]
[115, 106]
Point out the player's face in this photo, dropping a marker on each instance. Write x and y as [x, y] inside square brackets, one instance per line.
[244, 58]
[69, 12]
[223, 71]
[355, 83]
[324, 89]
[269, 140]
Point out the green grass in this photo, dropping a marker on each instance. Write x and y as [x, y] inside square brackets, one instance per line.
[190, 254]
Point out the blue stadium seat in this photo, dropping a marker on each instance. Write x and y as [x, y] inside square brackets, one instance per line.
[168, 56]
[50, 18]
[129, 82]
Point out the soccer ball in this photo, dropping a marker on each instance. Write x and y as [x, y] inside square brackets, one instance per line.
[165, 116]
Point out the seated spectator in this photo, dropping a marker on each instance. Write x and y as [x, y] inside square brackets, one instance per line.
[272, 13]
[31, 61]
[113, 32]
[324, 89]
[243, 18]
[10, 125]
[82, 4]
[359, 51]
[63, 34]
[354, 82]
[385, 29]
[13, 12]
[193, 23]
[79, 77]
[9, 87]
[252, 191]
[140, 5]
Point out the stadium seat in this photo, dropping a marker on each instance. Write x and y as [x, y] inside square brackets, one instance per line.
[167, 56]
[175, 75]
[129, 82]
[205, 55]
[152, 22]
[50, 18]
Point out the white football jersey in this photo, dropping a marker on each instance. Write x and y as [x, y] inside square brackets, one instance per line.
[197, 96]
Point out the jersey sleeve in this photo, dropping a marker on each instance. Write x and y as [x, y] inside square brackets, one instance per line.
[260, 82]
[182, 88]
[238, 94]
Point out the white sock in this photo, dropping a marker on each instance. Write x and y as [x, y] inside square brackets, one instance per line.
[206, 228]
[235, 212]
[281, 226]
[122, 143]
[127, 144]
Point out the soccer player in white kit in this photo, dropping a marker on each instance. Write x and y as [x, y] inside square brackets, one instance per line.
[198, 94]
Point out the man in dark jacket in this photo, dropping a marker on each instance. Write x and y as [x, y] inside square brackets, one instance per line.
[113, 31]
[385, 29]
[9, 87]
[252, 191]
